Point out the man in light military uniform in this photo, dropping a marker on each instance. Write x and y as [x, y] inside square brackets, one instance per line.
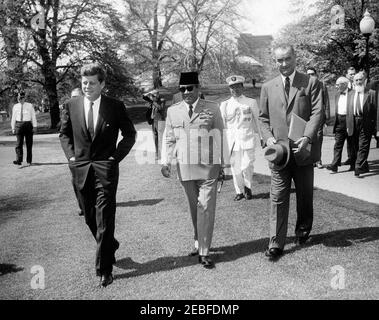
[240, 115]
[193, 135]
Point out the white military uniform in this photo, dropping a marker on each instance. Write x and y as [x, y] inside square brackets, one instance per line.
[240, 117]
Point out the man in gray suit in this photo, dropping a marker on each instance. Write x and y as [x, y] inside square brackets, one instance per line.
[290, 93]
[188, 123]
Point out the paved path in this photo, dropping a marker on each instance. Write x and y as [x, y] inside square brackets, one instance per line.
[366, 187]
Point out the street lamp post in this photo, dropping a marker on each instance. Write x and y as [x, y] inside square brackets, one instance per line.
[367, 26]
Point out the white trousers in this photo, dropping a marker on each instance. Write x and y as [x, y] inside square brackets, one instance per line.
[242, 167]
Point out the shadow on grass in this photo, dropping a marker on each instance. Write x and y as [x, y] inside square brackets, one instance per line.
[9, 268]
[145, 202]
[12, 206]
[338, 238]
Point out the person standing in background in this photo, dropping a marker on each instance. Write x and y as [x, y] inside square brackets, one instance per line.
[77, 92]
[24, 124]
[325, 114]
[157, 112]
[342, 132]
[362, 117]
[350, 73]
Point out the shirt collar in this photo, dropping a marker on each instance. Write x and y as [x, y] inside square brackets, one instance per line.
[291, 76]
[95, 103]
[193, 104]
[238, 98]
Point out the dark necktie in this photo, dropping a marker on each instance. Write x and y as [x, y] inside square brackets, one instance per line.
[90, 121]
[190, 112]
[22, 111]
[358, 109]
[287, 86]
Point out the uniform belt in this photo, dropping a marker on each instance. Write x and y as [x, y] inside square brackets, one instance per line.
[23, 121]
[358, 117]
[341, 115]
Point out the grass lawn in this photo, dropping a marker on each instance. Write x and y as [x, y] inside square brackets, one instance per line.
[39, 226]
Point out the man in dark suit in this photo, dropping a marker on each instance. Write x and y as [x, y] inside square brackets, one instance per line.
[342, 132]
[362, 117]
[325, 114]
[290, 93]
[89, 130]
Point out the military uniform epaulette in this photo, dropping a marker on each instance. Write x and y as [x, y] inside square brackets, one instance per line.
[177, 103]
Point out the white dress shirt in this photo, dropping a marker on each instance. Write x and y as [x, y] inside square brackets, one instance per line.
[355, 101]
[193, 104]
[291, 76]
[342, 104]
[28, 114]
[95, 108]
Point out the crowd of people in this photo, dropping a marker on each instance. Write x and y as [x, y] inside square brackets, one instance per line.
[288, 124]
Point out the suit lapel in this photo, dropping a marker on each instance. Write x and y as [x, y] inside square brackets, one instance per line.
[337, 97]
[365, 96]
[81, 115]
[350, 102]
[100, 117]
[279, 87]
[294, 88]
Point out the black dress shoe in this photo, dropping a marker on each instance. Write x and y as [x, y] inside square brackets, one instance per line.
[301, 240]
[106, 279]
[273, 253]
[17, 162]
[248, 194]
[194, 252]
[332, 168]
[239, 197]
[206, 262]
[346, 163]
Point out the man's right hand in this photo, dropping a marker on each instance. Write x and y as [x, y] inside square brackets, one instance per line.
[72, 159]
[13, 131]
[166, 171]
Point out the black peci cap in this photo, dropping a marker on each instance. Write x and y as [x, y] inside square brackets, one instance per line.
[189, 78]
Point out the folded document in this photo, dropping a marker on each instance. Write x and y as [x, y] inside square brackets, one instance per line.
[297, 128]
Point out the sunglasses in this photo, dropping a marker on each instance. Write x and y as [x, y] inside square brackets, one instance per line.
[188, 88]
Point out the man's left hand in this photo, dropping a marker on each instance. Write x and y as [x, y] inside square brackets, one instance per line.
[302, 143]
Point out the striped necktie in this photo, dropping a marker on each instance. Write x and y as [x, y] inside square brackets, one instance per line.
[287, 86]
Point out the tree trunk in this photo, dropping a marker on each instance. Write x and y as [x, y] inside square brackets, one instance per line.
[52, 94]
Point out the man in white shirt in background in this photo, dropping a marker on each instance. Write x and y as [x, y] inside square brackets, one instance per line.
[23, 123]
[341, 129]
[240, 115]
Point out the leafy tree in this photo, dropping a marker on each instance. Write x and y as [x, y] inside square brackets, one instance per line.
[149, 43]
[205, 21]
[332, 52]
